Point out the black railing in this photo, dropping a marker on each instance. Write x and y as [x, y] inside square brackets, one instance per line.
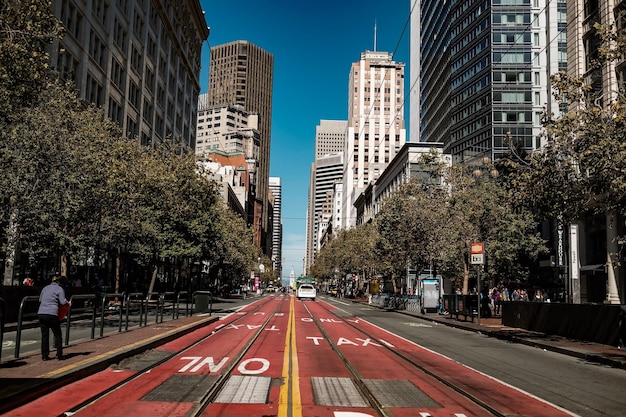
[88, 307]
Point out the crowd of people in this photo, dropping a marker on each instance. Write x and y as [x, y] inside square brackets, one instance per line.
[492, 298]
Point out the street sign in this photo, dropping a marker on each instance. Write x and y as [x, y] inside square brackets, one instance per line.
[477, 253]
[477, 259]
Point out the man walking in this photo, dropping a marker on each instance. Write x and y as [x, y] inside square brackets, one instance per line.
[51, 298]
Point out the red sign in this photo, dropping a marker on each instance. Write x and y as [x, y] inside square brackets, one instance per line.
[477, 248]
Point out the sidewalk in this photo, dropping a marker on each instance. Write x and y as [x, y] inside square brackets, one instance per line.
[591, 352]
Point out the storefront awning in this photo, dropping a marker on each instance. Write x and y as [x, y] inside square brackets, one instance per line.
[596, 267]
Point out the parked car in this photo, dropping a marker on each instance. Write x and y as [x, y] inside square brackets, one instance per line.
[332, 290]
[306, 291]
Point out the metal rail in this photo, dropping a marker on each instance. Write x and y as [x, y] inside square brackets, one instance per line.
[356, 377]
[112, 307]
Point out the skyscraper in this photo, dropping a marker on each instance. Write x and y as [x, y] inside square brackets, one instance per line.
[432, 105]
[375, 124]
[275, 185]
[330, 136]
[416, 68]
[325, 172]
[502, 56]
[242, 73]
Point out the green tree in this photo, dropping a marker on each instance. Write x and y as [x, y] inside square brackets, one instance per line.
[480, 210]
[26, 28]
[412, 222]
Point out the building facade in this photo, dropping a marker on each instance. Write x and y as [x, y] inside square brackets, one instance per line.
[275, 184]
[228, 129]
[241, 73]
[602, 278]
[432, 106]
[325, 172]
[330, 136]
[415, 94]
[502, 54]
[406, 165]
[139, 60]
[375, 124]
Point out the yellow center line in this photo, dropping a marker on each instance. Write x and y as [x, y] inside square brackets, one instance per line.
[289, 402]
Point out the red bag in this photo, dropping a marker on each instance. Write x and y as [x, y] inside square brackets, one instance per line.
[63, 311]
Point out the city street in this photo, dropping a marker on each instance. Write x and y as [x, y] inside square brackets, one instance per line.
[333, 357]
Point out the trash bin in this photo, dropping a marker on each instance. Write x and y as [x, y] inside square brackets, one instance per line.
[202, 302]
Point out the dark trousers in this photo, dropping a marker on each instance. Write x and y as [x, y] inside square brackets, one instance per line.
[49, 322]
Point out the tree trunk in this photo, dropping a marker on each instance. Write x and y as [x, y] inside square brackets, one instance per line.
[154, 276]
[465, 276]
[9, 255]
[118, 266]
[182, 274]
[64, 265]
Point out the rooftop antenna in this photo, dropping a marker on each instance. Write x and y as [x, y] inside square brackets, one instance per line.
[374, 35]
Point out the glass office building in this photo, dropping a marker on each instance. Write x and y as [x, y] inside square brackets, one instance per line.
[502, 54]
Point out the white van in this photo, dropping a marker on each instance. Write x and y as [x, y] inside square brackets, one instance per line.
[306, 291]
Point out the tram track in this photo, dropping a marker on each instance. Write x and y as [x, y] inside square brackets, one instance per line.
[362, 387]
[198, 408]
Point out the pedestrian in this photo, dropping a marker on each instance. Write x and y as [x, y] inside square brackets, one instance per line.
[496, 296]
[51, 298]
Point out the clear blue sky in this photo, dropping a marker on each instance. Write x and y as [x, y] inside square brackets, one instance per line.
[314, 44]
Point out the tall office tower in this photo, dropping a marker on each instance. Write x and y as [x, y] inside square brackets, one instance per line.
[242, 73]
[324, 173]
[501, 57]
[375, 124]
[139, 60]
[433, 103]
[415, 71]
[275, 185]
[330, 136]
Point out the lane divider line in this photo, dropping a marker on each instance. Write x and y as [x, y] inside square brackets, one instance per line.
[290, 390]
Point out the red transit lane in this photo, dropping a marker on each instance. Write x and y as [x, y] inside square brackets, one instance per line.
[383, 371]
[171, 389]
[502, 397]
